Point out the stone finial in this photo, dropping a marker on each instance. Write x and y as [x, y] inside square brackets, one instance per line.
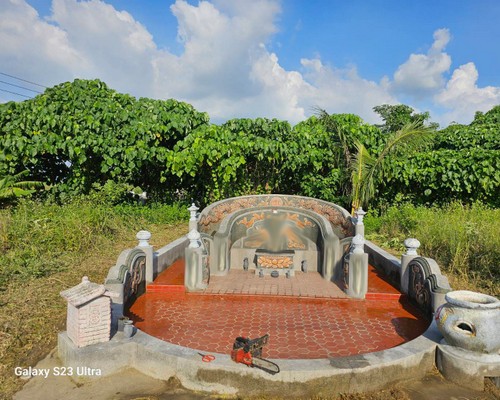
[358, 243]
[143, 238]
[411, 245]
[360, 214]
[193, 210]
[194, 239]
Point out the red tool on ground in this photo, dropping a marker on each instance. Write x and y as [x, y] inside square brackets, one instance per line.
[207, 357]
[249, 351]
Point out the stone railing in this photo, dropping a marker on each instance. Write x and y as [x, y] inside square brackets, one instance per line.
[137, 267]
[420, 278]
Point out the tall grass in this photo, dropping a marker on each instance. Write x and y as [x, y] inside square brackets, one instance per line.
[47, 248]
[464, 240]
[39, 239]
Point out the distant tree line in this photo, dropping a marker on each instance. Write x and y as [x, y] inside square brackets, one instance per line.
[83, 137]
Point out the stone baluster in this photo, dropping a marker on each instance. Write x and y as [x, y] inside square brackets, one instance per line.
[411, 245]
[143, 238]
[193, 219]
[359, 225]
[194, 239]
[357, 284]
[193, 272]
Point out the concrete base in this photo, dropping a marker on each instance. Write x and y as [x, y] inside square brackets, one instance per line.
[467, 368]
[303, 378]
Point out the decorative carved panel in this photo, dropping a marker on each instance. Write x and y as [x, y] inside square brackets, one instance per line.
[419, 289]
[209, 221]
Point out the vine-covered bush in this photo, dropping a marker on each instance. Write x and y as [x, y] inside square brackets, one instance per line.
[81, 133]
[80, 136]
[463, 164]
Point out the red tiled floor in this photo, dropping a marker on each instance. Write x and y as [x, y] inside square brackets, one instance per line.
[170, 280]
[378, 283]
[309, 284]
[298, 327]
[237, 281]
[306, 316]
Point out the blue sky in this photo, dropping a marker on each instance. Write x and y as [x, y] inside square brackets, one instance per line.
[249, 58]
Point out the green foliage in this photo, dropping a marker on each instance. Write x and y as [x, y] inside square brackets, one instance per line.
[395, 117]
[80, 133]
[222, 161]
[39, 239]
[463, 164]
[12, 186]
[342, 134]
[368, 171]
[83, 137]
[463, 240]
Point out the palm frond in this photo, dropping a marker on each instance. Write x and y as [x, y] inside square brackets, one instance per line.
[339, 134]
[362, 171]
[365, 168]
[11, 186]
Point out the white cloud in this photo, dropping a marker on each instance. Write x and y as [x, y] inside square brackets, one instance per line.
[31, 47]
[463, 97]
[225, 67]
[344, 91]
[116, 48]
[422, 74]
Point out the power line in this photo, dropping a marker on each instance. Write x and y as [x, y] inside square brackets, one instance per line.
[20, 87]
[18, 94]
[21, 79]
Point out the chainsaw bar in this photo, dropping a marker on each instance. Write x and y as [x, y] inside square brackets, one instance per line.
[265, 365]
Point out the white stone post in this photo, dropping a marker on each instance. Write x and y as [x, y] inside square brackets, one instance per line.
[194, 239]
[193, 219]
[411, 245]
[360, 226]
[193, 272]
[357, 284]
[143, 238]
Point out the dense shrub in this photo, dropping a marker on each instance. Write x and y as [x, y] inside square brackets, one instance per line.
[82, 135]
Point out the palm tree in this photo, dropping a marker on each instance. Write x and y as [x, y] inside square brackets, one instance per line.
[339, 133]
[367, 170]
[11, 186]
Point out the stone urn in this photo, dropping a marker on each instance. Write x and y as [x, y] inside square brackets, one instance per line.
[471, 321]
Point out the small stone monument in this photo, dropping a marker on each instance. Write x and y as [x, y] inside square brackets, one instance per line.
[89, 313]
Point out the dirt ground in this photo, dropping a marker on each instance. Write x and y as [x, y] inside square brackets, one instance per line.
[132, 385]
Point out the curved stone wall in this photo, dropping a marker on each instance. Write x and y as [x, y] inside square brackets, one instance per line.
[339, 218]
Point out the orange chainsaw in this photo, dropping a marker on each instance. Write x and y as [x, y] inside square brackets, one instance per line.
[249, 351]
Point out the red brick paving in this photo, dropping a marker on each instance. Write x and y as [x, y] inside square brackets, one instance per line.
[237, 281]
[304, 318]
[309, 284]
[298, 327]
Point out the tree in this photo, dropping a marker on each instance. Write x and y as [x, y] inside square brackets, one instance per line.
[344, 131]
[368, 170]
[395, 117]
[79, 133]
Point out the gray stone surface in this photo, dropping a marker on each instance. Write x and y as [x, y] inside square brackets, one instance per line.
[162, 360]
[380, 258]
[357, 272]
[471, 321]
[167, 255]
[466, 368]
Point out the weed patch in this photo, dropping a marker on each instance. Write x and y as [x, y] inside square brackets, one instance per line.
[464, 240]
